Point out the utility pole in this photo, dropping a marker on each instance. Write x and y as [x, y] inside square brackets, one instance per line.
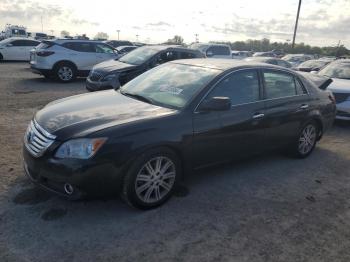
[42, 27]
[296, 24]
[118, 31]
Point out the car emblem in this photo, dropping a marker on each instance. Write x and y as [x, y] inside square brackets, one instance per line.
[30, 136]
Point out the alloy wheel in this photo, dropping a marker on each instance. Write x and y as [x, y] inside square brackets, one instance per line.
[307, 139]
[65, 73]
[155, 179]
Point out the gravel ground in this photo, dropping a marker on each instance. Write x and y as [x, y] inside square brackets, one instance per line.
[269, 208]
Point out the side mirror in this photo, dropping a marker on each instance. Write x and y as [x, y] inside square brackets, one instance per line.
[216, 104]
[116, 84]
[314, 72]
[9, 45]
[209, 53]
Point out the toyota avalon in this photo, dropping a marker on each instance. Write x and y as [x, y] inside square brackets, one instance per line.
[143, 138]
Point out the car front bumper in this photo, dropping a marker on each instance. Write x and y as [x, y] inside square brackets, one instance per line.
[343, 110]
[86, 177]
[100, 85]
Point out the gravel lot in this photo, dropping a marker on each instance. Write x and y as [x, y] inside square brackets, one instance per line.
[270, 208]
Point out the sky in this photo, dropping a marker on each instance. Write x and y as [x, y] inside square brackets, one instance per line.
[321, 23]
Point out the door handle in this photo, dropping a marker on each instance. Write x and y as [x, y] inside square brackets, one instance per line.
[258, 115]
[305, 106]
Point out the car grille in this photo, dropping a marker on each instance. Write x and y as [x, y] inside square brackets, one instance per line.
[340, 97]
[37, 139]
[95, 76]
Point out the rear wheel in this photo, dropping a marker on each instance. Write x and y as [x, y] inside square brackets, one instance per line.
[65, 72]
[151, 179]
[306, 141]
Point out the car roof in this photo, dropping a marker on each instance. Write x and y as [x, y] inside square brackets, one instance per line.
[64, 40]
[21, 38]
[225, 64]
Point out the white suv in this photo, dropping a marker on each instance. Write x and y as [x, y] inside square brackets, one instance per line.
[65, 59]
[17, 48]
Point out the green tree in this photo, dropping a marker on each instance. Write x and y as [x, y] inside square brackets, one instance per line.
[101, 36]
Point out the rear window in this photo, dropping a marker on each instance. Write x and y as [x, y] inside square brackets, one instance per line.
[44, 45]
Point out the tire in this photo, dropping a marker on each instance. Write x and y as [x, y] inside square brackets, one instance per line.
[145, 185]
[65, 72]
[306, 140]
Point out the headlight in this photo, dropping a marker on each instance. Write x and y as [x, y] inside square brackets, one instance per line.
[109, 77]
[82, 148]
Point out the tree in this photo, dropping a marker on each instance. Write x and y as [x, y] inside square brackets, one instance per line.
[64, 33]
[176, 40]
[101, 36]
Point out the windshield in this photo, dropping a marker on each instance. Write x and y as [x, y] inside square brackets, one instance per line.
[337, 70]
[139, 55]
[292, 58]
[170, 85]
[313, 64]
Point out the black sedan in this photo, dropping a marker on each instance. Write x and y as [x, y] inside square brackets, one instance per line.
[142, 139]
[113, 73]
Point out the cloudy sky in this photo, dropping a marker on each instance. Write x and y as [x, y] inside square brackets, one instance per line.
[322, 22]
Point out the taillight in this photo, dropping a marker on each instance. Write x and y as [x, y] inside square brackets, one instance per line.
[331, 97]
[44, 53]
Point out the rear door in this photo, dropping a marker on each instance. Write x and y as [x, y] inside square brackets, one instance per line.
[81, 53]
[220, 136]
[29, 45]
[286, 106]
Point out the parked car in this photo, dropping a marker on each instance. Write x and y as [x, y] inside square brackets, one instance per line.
[40, 36]
[312, 65]
[213, 50]
[142, 139]
[17, 48]
[269, 60]
[241, 54]
[296, 59]
[339, 71]
[113, 73]
[117, 43]
[124, 49]
[264, 54]
[65, 59]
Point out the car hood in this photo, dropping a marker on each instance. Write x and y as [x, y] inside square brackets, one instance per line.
[112, 65]
[84, 114]
[340, 85]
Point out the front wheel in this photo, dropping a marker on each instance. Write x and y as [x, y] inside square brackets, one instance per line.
[306, 140]
[151, 179]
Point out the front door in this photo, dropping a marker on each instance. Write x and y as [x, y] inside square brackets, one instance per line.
[221, 136]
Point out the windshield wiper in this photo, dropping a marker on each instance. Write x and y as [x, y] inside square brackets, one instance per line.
[138, 97]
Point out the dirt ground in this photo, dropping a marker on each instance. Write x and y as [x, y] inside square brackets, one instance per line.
[269, 208]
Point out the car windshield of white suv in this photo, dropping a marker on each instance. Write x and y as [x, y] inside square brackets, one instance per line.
[337, 70]
[170, 85]
[139, 55]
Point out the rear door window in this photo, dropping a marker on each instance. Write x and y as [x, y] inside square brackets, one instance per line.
[280, 84]
[80, 47]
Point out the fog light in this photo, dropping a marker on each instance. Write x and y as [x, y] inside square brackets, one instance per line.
[68, 188]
